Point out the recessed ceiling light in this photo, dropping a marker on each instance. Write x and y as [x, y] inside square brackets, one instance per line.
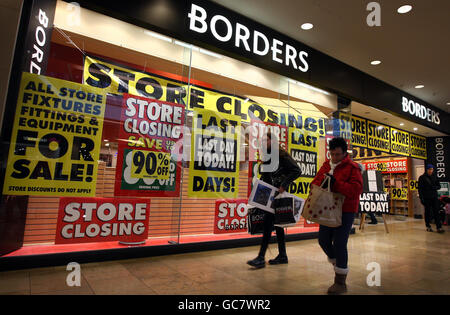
[404, 9]
[448, 103]
[419, 86]
[402, 124]
[415, 129]
[307, 26]
[375, 62]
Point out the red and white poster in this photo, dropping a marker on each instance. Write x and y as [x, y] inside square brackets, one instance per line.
[393, 166]
[86, 220]
[230, 216]
[150, 145]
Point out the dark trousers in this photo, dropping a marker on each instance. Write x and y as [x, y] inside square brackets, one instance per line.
[432, 211]
[334, 240]
[373, 218]
[268, 228]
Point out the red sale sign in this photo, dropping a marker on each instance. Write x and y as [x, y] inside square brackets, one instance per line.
[394, 166]
[86, 220]
[150, 148]
[231, 216]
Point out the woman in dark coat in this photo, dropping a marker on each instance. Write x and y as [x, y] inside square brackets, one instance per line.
[285, 171]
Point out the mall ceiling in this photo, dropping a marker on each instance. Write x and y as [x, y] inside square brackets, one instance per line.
[414, 48]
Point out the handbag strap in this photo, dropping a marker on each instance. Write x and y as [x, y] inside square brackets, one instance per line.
[325, 180]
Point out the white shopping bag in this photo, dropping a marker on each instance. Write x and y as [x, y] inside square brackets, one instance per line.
[262, 196]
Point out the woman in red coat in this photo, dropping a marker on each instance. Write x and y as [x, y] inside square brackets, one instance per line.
[346, 179]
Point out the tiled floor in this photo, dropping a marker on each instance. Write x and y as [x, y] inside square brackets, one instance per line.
[412, 261]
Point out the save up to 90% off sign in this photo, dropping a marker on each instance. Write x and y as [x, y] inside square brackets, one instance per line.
[150, 164]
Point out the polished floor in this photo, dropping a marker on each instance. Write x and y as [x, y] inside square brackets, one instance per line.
[411, 261]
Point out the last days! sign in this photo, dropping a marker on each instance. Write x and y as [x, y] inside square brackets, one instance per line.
[214, 164]
[56, 137]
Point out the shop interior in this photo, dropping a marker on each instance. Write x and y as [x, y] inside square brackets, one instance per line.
[408, 204]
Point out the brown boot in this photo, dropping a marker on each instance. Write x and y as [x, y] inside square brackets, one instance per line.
[339, 285]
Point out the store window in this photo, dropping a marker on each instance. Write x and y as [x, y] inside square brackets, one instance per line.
[132, 137]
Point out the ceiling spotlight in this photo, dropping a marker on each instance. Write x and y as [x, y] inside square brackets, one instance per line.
[307, 26]
[402, 124]
[415, 129]
[375, 62]
[404, 9]
[420, 86]
[448, 103]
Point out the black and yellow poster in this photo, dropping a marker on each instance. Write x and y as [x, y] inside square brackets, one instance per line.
[56, 138]
[399, 193]
[304, 148]
[399, 142]
[115, 79]
[359, 132]
[214, 163]
[345, 125]
[378, 136]
[418, 146]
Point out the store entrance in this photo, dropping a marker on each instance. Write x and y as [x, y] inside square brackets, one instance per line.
[399, 179]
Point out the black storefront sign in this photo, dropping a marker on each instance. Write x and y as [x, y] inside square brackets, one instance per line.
[438, 152]
[214, 27]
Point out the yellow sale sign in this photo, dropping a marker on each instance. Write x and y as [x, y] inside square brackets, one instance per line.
[399, 142]
[378, 136]
[56, 137]
[399, 193]
[418, 146]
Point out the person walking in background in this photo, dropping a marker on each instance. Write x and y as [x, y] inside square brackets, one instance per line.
[428, 187]
[285, 172]
[346, 179]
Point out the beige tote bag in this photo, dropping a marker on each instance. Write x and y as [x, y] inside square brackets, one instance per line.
[324, 206]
